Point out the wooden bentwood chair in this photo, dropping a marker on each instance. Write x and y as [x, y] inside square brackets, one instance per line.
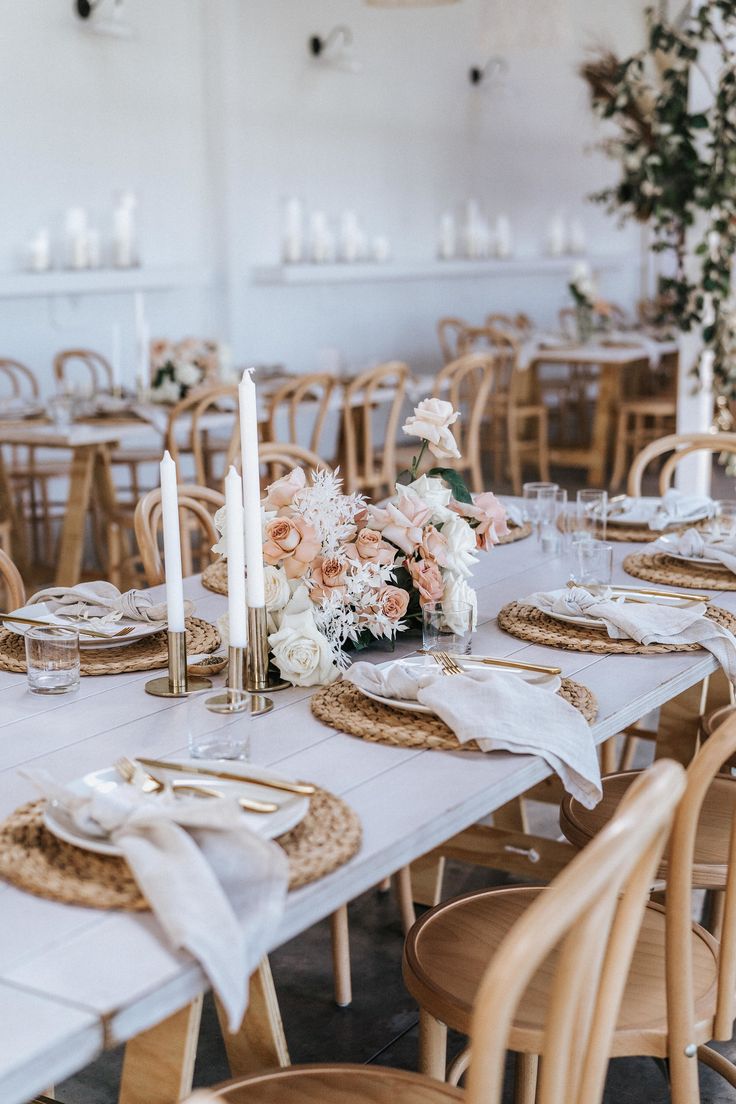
[587, 920]
[300, 406]
[205, 426]
[12, 591]
[467, 383]
[370, 464]
[197, 506]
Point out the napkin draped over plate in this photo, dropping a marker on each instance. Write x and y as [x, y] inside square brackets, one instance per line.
[691, 543]
[648, 622]
[102, 601]
[676, 506]
[501, 712]
[217, 889]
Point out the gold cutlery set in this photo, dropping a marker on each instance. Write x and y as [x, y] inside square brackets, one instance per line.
[38, 623]
[639, 594]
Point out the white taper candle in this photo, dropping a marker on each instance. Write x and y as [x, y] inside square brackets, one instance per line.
[251, 490]
[172, 545]
[235, 559]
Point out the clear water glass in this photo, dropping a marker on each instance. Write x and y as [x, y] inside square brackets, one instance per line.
[593, 562]
[217, 728]
[52, 660]
[61, 410]
[592, 508]
[723, 526]
[448, 627]
[553, 523]
[538, 505]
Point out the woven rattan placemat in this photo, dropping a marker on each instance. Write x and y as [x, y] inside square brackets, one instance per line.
[517, 533]
[528, 623]
[658, 567]
[144, 655]
[35, 860]
[342, 706]
[214, 577]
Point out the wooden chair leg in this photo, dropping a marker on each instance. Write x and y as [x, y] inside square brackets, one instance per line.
[629, 751]
[427, 875]
[619, 461]
[432, 1046]
[544, 447]
[525, 1083]
[404, 894]
[340, 935]
[512, 815]
[260, 1042]
[159, 1063]
[607, 753]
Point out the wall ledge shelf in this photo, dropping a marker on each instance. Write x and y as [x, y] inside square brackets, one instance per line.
[99, 281]
[296, 274]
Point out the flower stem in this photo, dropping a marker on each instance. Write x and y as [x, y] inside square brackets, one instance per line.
[416, 461]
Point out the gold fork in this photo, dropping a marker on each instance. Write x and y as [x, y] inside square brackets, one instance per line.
[449, 665]
[10, 619]
[150, 784]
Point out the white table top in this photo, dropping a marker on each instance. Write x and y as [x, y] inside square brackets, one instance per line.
[72, 977]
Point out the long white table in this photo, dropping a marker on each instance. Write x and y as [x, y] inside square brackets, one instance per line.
[75, 980]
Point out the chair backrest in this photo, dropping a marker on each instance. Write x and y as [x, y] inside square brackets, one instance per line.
[505, 346]
[300, 402]
[370, 465]
[21, 379]
[467, 383]
[518, 324]
[203, 423]
[679, 445]
[590, 915]
[94, 364]
[279, 459]
[11, 583]
[197, 507]
[448, 331]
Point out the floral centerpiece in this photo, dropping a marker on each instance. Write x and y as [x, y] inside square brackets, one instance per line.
[343, 573]
[590, 311]
[177, 367]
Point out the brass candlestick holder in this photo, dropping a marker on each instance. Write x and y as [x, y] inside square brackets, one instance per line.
[258, 679]
[178, 683]
[223, 702]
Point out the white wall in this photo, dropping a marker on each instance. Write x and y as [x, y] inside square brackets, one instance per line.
[214, 114]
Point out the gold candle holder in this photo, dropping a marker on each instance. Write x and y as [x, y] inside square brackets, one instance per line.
[258, 678]
[178, 683]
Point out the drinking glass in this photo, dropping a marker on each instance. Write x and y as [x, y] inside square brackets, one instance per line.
[539, 499]
[219, 725]
[592, 508]
[448, 627]
[52, 660]
[553, 523]
[61, 410]
[723, 525]
[593, 564]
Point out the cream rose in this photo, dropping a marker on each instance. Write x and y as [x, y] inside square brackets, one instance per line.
[461, 546]
[281, 492]
[431, 422]
[301, 653]
[432, 491]
[276, 583]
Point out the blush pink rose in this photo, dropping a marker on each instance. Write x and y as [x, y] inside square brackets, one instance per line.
[434, 546]
[393, 602]
[427, 579]
[328, 576]
[489, 514]
[370, 547]
[281, 492]
[291, 542]
[401, 522]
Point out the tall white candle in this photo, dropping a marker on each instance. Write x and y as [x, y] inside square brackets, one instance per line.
[235, 559]
[251, 490]
[172, 545]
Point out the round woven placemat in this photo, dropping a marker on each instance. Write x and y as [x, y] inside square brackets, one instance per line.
[341, 705]
[517, 533]
[642, 534]
[144, 655]
[528, 623]
[32, 858]
[214, 577]
[658, 567]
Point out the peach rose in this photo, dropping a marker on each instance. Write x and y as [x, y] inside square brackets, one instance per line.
[427, 579]
[489, 514]
[370, 547]
[281, 492]
[393, 602]
[434, 546]
[292, 542]
[328, 576]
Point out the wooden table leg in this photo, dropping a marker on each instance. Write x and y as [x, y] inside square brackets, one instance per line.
[260, 1042]
[608, 389]
[159, 1063]
[71, 545]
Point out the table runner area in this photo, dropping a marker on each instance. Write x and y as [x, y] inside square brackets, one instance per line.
[342, 706]
[528, 623]
[33, 859]
[658, 567]
[147, 654]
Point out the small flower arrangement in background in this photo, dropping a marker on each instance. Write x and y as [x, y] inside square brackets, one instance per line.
[591, 312]
[342, 573]
[177, 367]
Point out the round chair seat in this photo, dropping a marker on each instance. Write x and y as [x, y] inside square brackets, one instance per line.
[337, 1084]
[448, 949]
[579, 825]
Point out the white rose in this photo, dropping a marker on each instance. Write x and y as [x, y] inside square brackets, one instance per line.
[432, 492]
[167, 392]
[188, 374]
[461, 546]
[278, 592]
[431, 422]
[458, 595]
[220, 520]
[301, 652]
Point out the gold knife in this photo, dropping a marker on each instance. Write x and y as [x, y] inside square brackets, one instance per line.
[635, 592]
[302, 788]
[53, 625]
[515, 663]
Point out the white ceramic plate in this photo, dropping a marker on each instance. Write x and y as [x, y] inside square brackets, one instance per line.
[536, 678]
[640, 511]
[596, 623]
[674, 555]
[41, 612]
[292, 807]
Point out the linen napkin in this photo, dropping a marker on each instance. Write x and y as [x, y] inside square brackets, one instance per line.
[502, 713]
[217, 889]
[692, 543]
[102, 601]
[649, 622]
[676, 506]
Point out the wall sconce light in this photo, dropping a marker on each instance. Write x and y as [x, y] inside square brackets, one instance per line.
[92, 14]
[335, 50]
[495, 67]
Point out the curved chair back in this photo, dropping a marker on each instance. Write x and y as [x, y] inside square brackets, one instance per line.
[11, 583]
[197, 507]
[448, 333]
[679, 445]
[300, 403]
[519, 324]
[95, 365]
[467, 383]
[21, 379]
[370, 465]
[279, 459]
[203, 425]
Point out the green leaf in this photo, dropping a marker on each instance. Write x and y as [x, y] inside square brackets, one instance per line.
[455, 482]
[699, 122]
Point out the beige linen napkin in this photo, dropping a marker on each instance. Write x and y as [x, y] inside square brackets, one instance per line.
[502, 713]
[649, 622]
[103, 601]
[676, 506]
[691, 543]
[217, 889]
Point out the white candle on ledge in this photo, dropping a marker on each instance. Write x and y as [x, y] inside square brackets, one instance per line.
[172, 545]
[251, 490]
[235, 559]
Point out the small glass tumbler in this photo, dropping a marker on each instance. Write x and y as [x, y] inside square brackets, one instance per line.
[553, 523]
[723, 525]
[591, 515]
[61, 410]
[448, 627]
[593, 562]
[219, 725]
[535, 496]
[52, 660]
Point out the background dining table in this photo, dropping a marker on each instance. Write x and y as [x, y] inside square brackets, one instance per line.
[74, 981]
